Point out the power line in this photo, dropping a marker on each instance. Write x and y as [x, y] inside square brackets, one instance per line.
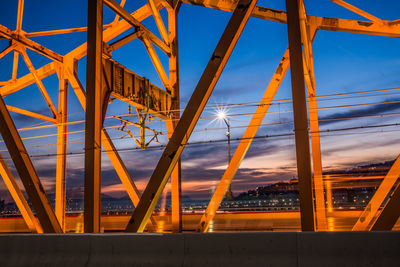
[223, 106]
[233, 140]
[205, 129]
[210, 117]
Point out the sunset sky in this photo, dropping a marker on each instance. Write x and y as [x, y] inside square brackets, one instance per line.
[344, 63]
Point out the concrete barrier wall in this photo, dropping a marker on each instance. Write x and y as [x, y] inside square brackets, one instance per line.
[216, 249]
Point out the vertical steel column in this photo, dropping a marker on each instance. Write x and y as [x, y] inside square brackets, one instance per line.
[300, 117]
[27, 172]
[176, 190]
[190, 116]
[94, 113]
[308, 32]
[61, 168]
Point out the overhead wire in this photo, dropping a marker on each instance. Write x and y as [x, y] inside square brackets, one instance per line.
[244, 114]
[223, 106]
[233, 140]
[40, 126]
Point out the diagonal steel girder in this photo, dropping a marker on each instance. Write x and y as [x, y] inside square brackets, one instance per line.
[372, 208]
[245, 143]
[135, 23]
[12, 35]
[27, 172]
[358, 11]
[390, 213]
[18, 197]
[190, 116]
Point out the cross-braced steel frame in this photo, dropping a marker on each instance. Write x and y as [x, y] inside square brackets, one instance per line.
[301, 29]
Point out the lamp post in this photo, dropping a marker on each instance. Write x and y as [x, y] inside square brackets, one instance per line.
[222, 116]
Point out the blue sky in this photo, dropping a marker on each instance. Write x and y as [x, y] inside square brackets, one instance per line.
[344, 63]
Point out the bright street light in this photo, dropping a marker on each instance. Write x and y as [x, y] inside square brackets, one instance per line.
[221, 115]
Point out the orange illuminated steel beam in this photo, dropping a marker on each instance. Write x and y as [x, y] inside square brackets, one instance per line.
[62, 31]
[38, 81]
[20, 15]
[245, 143]
[6, 51]
[308, 33]
[61, 165]
[367, 216]
[176, 189]
[19, 198]
[355, 26]
[117, 16]
[122, 171]
[358, 11]
[18, 38]
[94, 117]
[27, 172]
[159, 21]
[31, 114]
[124, 40]
[323, 23]
[394, 22]
[390, 213]
[157, 63]
[14, 86]
[136, 23]
[190, 116]
[300, 118]
[18, 30]
[15, 66]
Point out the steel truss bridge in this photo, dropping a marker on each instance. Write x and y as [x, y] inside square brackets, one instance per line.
[105, 78]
